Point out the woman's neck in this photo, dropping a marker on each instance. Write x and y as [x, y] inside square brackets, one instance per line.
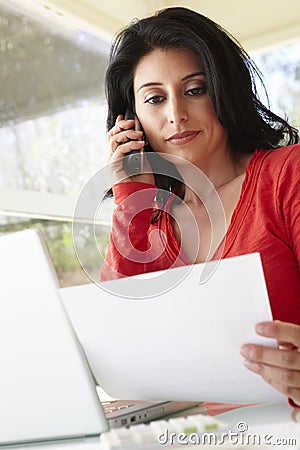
[212, 177]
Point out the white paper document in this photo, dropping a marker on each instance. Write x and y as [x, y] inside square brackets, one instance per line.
[183, 344]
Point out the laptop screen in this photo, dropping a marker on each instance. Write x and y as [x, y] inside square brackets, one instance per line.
[46, 389]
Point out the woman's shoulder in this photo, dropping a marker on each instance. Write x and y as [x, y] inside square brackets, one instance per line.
[288, 152]
[275, 166]
[276, 160]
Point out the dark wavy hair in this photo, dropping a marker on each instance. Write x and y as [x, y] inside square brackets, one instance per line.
[230, 73]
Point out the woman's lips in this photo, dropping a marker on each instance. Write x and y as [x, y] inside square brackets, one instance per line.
[182, 138]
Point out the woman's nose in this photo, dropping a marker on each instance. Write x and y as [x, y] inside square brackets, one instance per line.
[177, 112]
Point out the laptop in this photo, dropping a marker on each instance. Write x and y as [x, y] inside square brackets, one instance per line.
[47, 391]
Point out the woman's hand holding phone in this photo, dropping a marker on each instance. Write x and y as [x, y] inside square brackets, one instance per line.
[122, 140]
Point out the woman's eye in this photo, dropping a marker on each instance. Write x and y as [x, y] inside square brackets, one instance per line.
[155, 99]
[196, 91]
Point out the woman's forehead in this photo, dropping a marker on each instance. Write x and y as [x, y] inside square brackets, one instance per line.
[164, 62]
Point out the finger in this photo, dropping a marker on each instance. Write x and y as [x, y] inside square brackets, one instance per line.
[289, 359]
[129, 135]
[288, 391]
[125, 136]
[282, 331]
[286, 346]
[286, 377]
[121, 125]
[126, 148]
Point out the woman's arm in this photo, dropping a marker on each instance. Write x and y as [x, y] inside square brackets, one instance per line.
[129, 247]
[133, 196]
[280, 366]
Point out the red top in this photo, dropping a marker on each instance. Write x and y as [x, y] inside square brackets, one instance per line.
[265, 220]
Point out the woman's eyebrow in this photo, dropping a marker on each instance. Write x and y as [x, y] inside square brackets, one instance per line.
[191, 75]
[153, 83]
[186, 77]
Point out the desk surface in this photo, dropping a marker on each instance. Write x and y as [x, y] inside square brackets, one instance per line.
[264, 418]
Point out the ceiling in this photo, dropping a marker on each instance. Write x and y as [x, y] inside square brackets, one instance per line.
[255, 23]
[53, 52]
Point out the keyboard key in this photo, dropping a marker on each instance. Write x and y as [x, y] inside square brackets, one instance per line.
[143, 433]
[125, 436]
[146, 436]
[158, 426]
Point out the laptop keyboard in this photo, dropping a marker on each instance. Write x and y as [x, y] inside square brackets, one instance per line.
[174, 432]
[115, 406]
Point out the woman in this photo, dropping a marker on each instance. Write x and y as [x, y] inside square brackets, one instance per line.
[192, 88]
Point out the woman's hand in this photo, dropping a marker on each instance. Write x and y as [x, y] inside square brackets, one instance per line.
[122, 139]
[280, 366]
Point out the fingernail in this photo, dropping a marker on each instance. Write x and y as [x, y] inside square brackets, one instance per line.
[245, 350]
[261, 328]
[249, 364]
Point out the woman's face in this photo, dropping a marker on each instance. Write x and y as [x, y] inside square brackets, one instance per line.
[175, 109]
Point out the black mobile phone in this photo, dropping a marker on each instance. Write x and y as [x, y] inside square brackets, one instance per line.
[133, 162]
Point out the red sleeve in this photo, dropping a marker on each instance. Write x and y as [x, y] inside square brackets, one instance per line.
[129, 243]
[289, 199]
[289, 205]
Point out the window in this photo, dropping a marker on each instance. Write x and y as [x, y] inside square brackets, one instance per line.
[52, 128]
[280, 67]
